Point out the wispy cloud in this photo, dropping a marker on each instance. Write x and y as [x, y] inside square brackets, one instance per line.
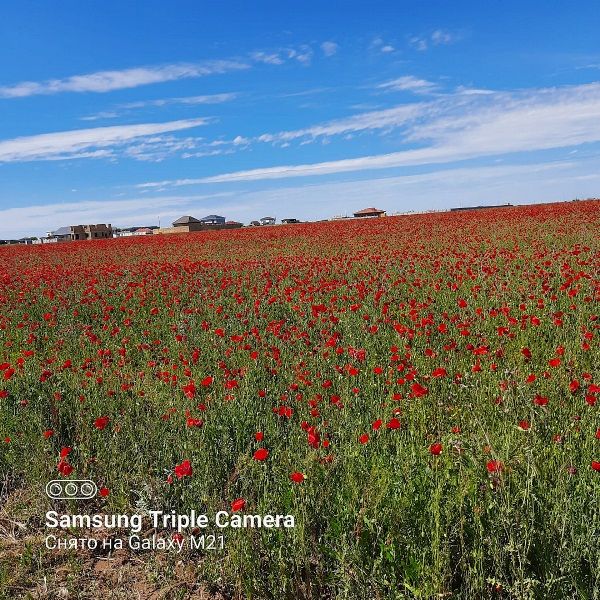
[329, 48]
[107, 81]
[121, 109]
[84, 143]
[378, 119]
[409, 83]
[189, 100]
[454, 128]
[439, 37]
[269, 58]
[378, 44]
[303, 54]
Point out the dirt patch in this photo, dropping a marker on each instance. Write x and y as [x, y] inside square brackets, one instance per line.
[28, 569]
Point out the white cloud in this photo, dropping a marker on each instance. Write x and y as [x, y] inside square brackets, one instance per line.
[439, 37]
[240, 141]
[378, 44]
[418, 43]
[304, 55]
[122, 109]
[107, 81]
[269, 58]
[409, 83]
[191, 100]
[379, 119]
[329, 48]
[453, 128]
[81, 143]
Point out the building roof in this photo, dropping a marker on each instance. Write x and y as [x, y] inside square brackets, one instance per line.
[185, 220]
[368, 211]
[213, 218]
[62, 231]
[268, 219]
[143, 230]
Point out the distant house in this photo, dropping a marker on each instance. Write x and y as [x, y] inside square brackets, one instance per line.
[370, 212]
[129, 231]
[187, 224]
[289, 221]
[213, 220]
[254, 223]
[268, 221]
[185, 221]
[80, 232]
[62, 234]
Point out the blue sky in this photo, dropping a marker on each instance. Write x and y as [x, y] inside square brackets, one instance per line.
[111, 113]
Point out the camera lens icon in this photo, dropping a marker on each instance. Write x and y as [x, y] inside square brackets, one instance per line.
[77, 489]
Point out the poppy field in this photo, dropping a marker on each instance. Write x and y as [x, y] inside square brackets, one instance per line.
[420, 392]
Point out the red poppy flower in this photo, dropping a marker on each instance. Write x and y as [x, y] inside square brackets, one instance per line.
[494, 466]
[393, 424]
[418, 390]
[540, 400]
[261, 454]
[364, 438]
[48, 433]
[524, 425]
[258, 436]
[189, 390]
[238, 504]
[192, 422]
[104, 492]
[101, 422]
[377, 424]
[297, 477]
[314, 439]
[183, 470]
[436, 449]
[439, 372]
[64, 468]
